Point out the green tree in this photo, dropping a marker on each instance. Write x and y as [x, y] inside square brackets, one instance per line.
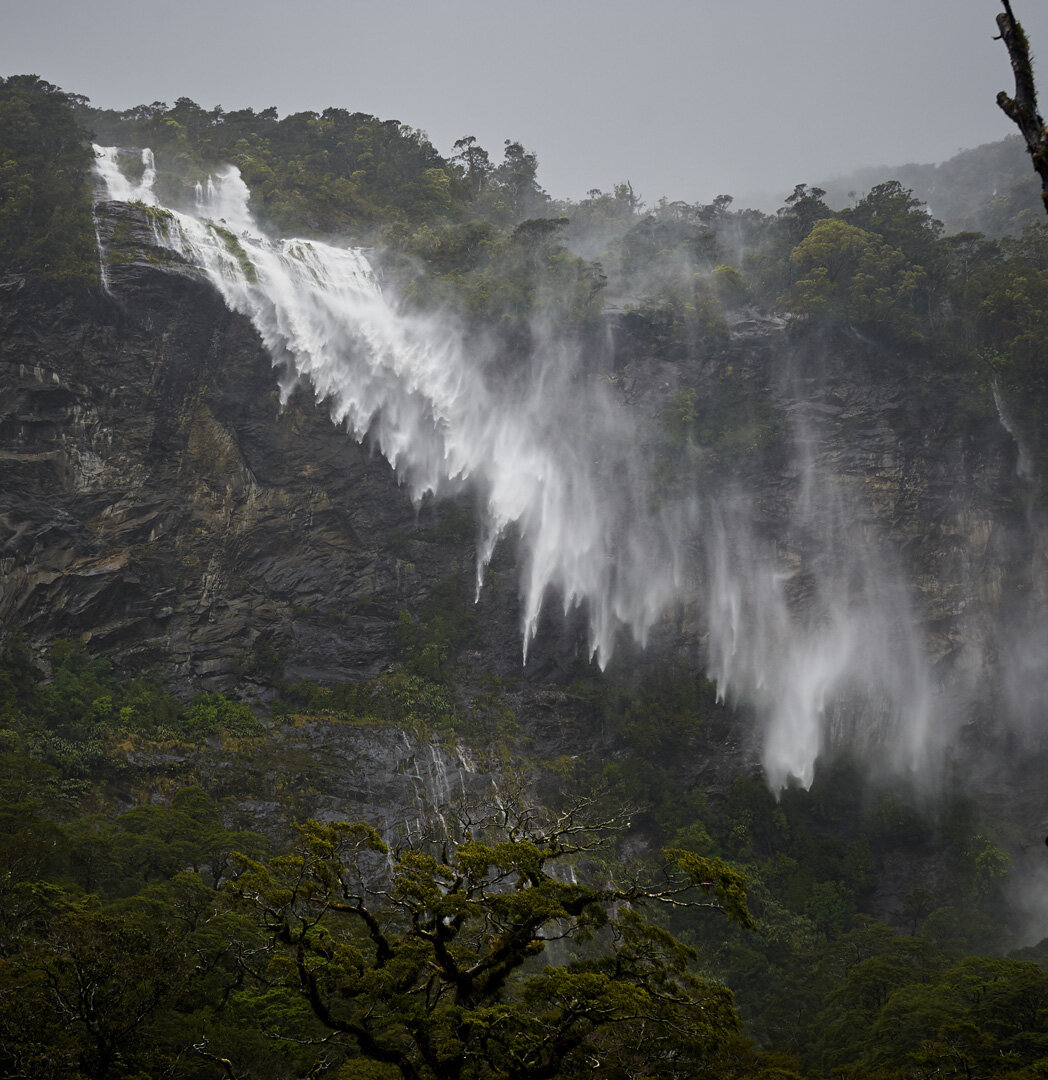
[81, 995]
[847, 274]
[514, 193]
[46, 231]
[899, 219]
[475, 163]
[428, 966]
[804, 207]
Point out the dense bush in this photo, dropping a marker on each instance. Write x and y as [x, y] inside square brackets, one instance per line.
[46, 231]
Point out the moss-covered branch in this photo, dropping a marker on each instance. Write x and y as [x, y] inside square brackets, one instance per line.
[1022, 109]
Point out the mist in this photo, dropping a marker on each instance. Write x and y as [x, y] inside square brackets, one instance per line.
[818, 628]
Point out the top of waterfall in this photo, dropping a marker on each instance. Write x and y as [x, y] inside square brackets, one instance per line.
[118, 187]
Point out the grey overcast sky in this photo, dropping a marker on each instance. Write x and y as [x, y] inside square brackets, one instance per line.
[685, 98]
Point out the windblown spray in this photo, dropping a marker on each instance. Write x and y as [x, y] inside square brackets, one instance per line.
[555, 458]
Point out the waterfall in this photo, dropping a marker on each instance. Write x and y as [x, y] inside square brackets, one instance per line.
[407, 382]
[848, 662]
[553, 456]
[1024, 463]
[118, 187]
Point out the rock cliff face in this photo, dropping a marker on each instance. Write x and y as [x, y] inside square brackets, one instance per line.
[158, 501]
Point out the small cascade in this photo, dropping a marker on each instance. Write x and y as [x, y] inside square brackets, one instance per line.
[103, 270]
[1024, 464]
[436, 786]
[439, 773]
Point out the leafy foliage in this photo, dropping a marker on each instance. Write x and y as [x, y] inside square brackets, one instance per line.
[849, 274]
[85, 705]
[398, 697]
[310, 173]
[46, 231]
[432, 972]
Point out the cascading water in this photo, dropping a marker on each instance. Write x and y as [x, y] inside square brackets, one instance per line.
[555, 457]
[847, 661]
[408, 383]
[118, 187]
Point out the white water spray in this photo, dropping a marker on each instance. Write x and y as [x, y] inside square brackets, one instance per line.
[842, 663]
[408, 383]
[556, 458]
[118, 187]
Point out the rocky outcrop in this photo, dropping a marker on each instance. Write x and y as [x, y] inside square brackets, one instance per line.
[400, 780]
[158, 501]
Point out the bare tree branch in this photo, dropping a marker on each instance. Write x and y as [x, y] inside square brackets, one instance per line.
[1022, 109]
[227, 1066]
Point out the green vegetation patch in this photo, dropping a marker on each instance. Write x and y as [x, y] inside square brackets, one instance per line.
[46, 228]
[236, 249]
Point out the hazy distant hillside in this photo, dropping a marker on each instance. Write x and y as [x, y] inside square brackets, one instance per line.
[991, 189]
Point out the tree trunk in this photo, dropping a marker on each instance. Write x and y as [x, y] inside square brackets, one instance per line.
[1022, 109]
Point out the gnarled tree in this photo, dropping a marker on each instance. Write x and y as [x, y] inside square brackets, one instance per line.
[426, 959]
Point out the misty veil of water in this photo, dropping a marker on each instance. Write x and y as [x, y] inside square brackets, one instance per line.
[553, 457]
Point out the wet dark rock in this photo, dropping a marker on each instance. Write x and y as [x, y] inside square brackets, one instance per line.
[157, 498]
[330, 770]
